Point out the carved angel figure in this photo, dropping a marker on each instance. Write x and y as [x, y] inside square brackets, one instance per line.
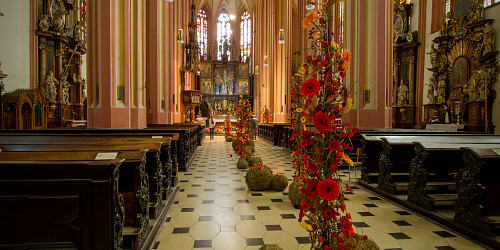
[430, 91]
[77, 31]
[65, 88]
[434, 56]
[57, 20]
[441, 90]
[51, 87]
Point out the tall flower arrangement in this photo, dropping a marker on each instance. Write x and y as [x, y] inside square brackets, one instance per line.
[243, 112]
[321, 97]
[227, 124]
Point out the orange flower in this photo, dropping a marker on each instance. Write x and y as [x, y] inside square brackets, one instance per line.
[347, 59]
[309, 19]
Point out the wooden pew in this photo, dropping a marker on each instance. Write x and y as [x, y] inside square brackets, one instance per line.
[61, 205]
[153, 166]
[398, 152]
[478, 204]
[443, 161]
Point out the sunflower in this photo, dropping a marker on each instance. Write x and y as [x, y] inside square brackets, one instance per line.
[348, 106]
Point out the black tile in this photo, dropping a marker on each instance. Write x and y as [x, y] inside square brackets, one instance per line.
[360, 224]
[155, 246]
[198, 177]
[225, 209]
[211, 173]
[192, 195]
[208, 202]
[402, 223]
[176, 202]
[285, 193]
[342, 175]
[206, 218]
[346, 199]
[444, 234]
[243, 201]
[182, 190]
[353, 187]
[202, 243]
[256, 194]
[263, 208]
[365, 214]
[223, 177]
[210, 180]
[374, 198]
[184, 181]
[273, 227]
[400, 236]
[200, 171]
[168, 219]
[277, 200]
[187, 210]
[239, 189]
[446, 248]
[393, 249]
[181, 230]
[288, 216]
[236, 180]
[303, 240]
[370, 205]
[255, 242]
[235, 173]
[209, 189]
[188, 174]
[247, 217]
[196, 185]
[402, 212]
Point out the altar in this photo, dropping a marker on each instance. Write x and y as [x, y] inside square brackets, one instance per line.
[222, 83]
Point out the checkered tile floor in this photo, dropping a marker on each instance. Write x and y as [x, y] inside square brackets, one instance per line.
[215, 210]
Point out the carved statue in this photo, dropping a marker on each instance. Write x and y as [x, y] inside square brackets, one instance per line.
[489, 38]
[51, 87]
[57, 20]
[77, 31]
[483, 94]
[65, 88]
[434, 56]
[430, 91]
[402, 94]
[471, 88]
[83, 83]
[441, 90]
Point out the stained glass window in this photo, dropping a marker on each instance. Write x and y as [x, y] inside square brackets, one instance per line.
[448, 6]
[246, 36]
[201, 30]
[223, 36]
[490, 2]
[83, 17]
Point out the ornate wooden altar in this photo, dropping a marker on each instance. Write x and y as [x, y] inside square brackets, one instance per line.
[222, 82]
[464, 66]
[405, 64]
[60, 91]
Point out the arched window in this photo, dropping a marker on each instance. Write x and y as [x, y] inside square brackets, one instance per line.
[83, 17]
[223, 36]
[246, 36]
[201, 31]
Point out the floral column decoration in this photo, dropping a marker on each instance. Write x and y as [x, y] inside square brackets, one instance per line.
[321, 97]
[227, 123]
[243, 112]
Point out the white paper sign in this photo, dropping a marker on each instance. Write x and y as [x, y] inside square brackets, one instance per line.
[157, 137]
[106, 156]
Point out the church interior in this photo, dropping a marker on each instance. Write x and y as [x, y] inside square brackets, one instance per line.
[106, 109]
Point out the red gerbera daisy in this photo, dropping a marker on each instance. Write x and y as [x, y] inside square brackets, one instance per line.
[312, 190]
[312, 166]
[328, 212]
[328, 189]
[335, 145]
[322, 122]
[310, 87]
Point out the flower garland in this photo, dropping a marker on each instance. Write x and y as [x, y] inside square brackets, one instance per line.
[320, 97]
[265, 115]
[191, 115]
[227, 124]
[243, 112]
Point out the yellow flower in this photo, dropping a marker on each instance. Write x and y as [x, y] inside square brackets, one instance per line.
[306, 226]
[347, 59]
[303, 119]
[347, 159]
[309, 19]
[317, 35]
[348, 105]
[299, 110]
[335, 45]
[304, 127]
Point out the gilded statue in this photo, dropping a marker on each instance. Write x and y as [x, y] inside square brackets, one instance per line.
[430, 91]
[402, 94]
[434, 56]
[489, 38]
[441, 90]
[51, 87]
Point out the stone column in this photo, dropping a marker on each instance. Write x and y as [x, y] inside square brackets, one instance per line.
[43, 68]
[411, 85]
